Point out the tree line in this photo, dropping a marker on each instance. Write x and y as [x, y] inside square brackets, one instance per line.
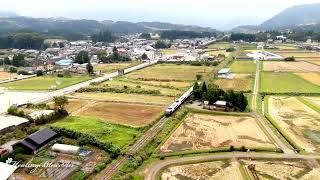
[174, 34]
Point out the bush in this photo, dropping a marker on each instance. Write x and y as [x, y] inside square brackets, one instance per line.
[290, 58]
[99, 167]
[230, 49]
[56, 115]
[39, 73]
[60, 75]
[13, 69]
[13, 110]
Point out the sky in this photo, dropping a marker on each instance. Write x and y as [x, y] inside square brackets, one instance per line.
[219, 14]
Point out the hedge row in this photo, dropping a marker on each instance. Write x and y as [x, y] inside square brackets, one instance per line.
[118, 90]
[84, 139]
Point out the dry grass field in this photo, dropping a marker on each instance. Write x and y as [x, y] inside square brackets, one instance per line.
[286, 47]
[172, 72]
[174, 84]
[311, 77]
[314, 62]
[208, 170]
[299, 66]
[122, 97]
[298, 120]
[202, 132]
[298, 54]
[237, 84]
[315, 100]
[122, 113]
[113, 67]
[6, 75]
[216, 53]
[284, 169]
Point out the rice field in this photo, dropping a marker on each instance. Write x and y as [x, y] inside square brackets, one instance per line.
[243, 84]
[300, 122]
[314, 78]
[243, 66]
[204, 132]
[298, 66]
[286, 83]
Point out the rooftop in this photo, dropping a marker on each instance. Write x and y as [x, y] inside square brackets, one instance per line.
[224, 71]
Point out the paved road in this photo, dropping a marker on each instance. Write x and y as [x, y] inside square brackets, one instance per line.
[153, 170]
[278, 142]
[47, 96]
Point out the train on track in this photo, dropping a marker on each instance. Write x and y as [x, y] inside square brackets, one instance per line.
[174, 106]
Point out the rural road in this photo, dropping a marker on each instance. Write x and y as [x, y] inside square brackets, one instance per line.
[155, 168]
[41, 97]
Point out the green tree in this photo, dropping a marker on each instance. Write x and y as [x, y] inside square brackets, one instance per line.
[196, 91]
[60, 102]
[18, 60]
[203, 88]
[13, 69]
[160, 45]
[89, 68]
[145, 36]
[82, 57]
[199, 77]
[115, 54]
[7, 61]
[242, 101]
[144, 56]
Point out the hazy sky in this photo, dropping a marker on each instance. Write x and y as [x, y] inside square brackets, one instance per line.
[213, 13]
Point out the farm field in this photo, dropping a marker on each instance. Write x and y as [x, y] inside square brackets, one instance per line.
[311, 77]
[300, 122]
[225, 169]
[243, 84]
[103, 131]
[172, 72]
[220, 45]
[286, 83]
[44, 83]
[248, 46]
[298, 54]
[122, 97]
[6, 75]
[167, 84]
[204, 132]
[121, 113]
[169, 51]
[281, 169]
[315, 100]
[120, 83]
[281, 66]
[216, 53]
[314, 62]
[286, 47]
[113, 67]
[243, 67]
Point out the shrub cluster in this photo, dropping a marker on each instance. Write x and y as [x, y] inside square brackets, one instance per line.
[125, 89]
[84, 139]
[43, 119]
[13, 110]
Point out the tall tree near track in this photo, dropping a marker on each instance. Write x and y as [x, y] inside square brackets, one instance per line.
[60, 102]
[82, 57]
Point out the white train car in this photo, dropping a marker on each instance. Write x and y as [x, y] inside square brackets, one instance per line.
[173, 107]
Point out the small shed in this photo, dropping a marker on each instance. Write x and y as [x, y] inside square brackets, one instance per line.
[65, 148]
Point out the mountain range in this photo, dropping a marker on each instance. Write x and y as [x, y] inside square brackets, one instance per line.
[301, 18]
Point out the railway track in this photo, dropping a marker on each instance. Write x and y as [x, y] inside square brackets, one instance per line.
[113, 168]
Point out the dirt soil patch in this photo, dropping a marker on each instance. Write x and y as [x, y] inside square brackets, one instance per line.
[299, 121]
[201, 132]
[122, 113]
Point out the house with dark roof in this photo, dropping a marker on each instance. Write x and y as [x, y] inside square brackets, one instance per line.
[35, 141]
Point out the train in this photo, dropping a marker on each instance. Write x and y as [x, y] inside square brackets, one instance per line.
[174, 106]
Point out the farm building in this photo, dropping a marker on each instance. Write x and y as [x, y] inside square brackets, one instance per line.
[220, 105]
[9, 123]
[224, 73]
[6, 170]
[36, 140]
[66, 149]
[264, 55]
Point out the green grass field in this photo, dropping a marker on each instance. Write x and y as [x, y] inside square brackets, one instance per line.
[243, 67]
[44, 83]
[117, 134]
[286, 83]
[169, 51]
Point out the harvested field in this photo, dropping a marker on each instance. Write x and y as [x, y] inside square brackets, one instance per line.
[171, 84]
[121, 97]
[171, 72]
[208, 170]
[237, 84]
[122, 113]
[281, 66]
[286, 83]
[284, 47]
[316, 59]
[314, 62]
[315, 100]
[5, 75]
[169, 51]
[203, 132]
[113, 67]
[220, 45]
[243, 67]
[298, 54]
[311, 77]
[298, 120]
[216, 53]
[285, 169]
